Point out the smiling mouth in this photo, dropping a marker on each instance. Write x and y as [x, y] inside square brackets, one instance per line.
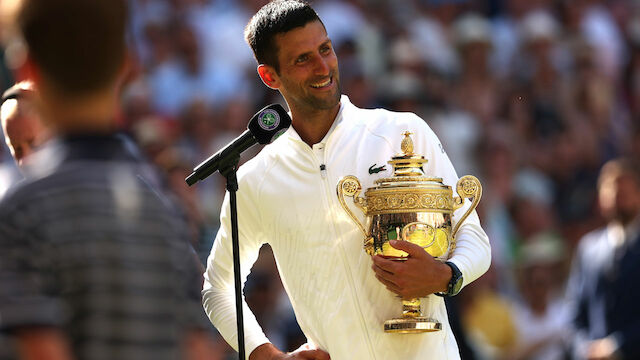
[322, 84]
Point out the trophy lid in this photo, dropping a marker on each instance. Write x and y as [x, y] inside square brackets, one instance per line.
[407, 168]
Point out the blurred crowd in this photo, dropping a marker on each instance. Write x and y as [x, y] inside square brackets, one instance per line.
[530, 96]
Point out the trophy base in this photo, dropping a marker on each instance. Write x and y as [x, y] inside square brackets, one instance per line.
[411, 325]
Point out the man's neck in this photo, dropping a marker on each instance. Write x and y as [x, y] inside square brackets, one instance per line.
[89, 114]
[312, 126]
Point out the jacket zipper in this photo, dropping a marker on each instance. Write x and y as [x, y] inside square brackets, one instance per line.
[319, 151]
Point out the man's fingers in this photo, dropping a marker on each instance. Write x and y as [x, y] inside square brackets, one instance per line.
[386, 278]
[388, 284]
[387, 265]
[313, 355]
[410, 248]
[383, 274]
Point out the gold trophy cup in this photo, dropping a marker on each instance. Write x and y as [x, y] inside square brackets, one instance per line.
[412, 207]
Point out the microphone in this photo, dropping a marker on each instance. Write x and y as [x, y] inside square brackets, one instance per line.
[263, 128]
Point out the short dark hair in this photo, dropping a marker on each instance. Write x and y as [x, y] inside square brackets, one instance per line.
[78, 45]
[276, 17]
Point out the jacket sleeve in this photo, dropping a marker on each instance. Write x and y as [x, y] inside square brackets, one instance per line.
[218, 290]
[472, 254]
[575, 297]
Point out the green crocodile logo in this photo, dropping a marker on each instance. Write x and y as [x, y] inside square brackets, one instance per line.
[374, 170]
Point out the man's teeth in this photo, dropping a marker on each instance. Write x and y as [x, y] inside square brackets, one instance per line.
[323, 84]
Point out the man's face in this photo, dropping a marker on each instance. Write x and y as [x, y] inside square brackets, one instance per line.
[619, 197]
[308, 73]
[23, 130]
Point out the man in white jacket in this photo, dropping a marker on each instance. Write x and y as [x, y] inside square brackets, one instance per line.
[287, 198]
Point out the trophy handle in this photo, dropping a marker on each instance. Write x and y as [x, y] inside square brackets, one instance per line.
[467, 187]
[350, 186]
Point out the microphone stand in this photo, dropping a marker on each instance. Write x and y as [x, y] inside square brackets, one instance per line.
[228, 168]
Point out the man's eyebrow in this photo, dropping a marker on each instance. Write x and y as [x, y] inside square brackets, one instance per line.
[302, 54]
[324, 43]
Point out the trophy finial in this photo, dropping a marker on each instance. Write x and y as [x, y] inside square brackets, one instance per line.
[407, 163]
[407, 144]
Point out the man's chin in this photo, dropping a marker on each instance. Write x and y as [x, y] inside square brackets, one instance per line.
[328, 102]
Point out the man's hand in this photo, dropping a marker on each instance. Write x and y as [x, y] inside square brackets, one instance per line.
[269, 352]
[418, 276]
[306, 352]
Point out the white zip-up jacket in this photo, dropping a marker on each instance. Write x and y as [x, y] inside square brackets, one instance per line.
[287, 201]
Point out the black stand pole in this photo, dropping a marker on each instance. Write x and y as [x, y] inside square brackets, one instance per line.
[229, 172]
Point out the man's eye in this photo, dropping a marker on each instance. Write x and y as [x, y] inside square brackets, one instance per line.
[325, 49]
[302, 59]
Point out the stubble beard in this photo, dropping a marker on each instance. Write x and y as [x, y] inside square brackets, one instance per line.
[325, 103]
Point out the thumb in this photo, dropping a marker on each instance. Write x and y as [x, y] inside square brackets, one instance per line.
[410, 248]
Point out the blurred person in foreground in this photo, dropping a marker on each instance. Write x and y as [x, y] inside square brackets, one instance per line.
[287, 199]
[22, 126]
[94, 263]
[602, 287]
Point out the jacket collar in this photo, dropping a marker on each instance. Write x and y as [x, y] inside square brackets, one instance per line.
[345, 103]
[85, 147]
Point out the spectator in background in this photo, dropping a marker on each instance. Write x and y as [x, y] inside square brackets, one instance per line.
[94, 263]
[602, 287]
[541, 317]
[430, 33]
[487, 318]
[22, 126]
[9, 108]
[477, 89]
[187, 77]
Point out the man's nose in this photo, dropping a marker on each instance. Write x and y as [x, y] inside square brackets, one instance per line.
[320, 66]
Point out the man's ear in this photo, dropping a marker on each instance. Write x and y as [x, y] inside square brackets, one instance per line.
[29, 71]
[269, 76]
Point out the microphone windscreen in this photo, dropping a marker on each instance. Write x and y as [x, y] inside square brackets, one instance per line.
[269, 123]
